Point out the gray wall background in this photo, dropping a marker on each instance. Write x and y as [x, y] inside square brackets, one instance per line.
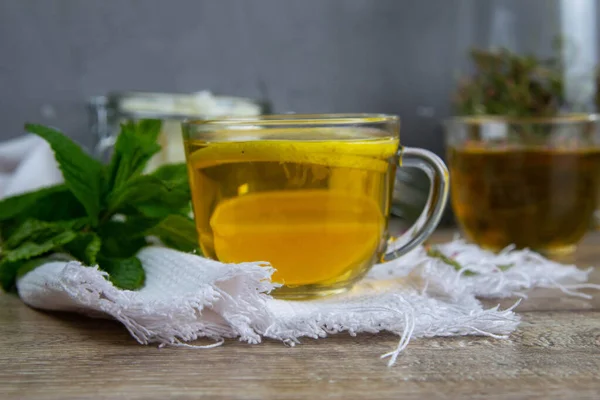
[391, 56]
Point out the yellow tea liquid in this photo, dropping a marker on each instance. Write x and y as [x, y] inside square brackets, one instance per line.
[316, 210]
[542, 199]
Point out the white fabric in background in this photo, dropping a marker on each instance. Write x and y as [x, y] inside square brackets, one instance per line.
[26, 163]
[188, 297]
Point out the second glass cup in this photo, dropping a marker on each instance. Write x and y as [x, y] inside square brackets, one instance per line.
[309, 194]
[532, 183]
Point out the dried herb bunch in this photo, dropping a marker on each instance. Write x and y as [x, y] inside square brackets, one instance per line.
[508, 84]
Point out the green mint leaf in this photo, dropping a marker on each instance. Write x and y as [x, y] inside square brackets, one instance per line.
[176, 202]
[49, 204]
[85, 247]
[11, 207]
[8, 273]
[149, 129]
[30, 249]
[160, 209]
[124, 273]
[138, 190]
[148, 191]
[13, 259]
[32, 230]
[178, 232]
[75, 224]
[56, 205]
[121, 247]
[172, 172]
[130, 227]
[123, 239]
[135, 145]
[83, 174]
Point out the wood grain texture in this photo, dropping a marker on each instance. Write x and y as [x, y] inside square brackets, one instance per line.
[554, 354]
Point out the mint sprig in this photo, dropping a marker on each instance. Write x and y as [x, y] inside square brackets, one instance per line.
[84, 175]
[434, 252]
[102, 214]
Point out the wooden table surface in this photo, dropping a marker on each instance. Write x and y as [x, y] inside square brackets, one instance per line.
[555, 353]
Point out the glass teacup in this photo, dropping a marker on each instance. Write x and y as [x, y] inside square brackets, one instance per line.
[525, 182]
[309, 194]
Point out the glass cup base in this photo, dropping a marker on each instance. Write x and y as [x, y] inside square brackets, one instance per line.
[549, 252]
[559, 251]
[309, 292]
[596, 221]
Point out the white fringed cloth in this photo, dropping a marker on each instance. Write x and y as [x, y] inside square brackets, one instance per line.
[187, 297]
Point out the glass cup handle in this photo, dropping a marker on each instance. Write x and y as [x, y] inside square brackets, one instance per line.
[439, 178]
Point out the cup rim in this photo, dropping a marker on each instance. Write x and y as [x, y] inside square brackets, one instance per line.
[355, 119]
[572, 118]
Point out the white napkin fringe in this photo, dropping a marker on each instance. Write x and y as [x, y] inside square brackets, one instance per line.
[187, 297]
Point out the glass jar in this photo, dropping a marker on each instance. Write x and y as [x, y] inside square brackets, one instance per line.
[106, 113]
[527, 59]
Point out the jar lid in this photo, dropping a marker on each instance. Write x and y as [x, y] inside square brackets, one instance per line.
[178, 106]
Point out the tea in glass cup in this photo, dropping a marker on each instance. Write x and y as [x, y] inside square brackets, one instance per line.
[532, 183]
[309, 194]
